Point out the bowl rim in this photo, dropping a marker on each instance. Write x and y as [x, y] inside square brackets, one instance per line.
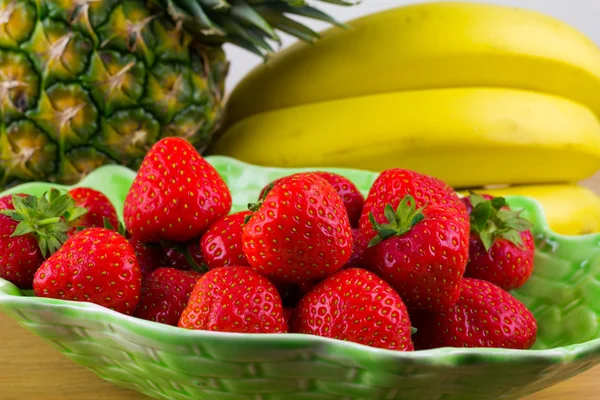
[13, 297]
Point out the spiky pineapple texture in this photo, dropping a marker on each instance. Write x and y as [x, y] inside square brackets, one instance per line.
[90, 82]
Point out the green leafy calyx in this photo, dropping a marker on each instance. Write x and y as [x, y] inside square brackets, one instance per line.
[399, 222]
[48, 218]
[492, 219]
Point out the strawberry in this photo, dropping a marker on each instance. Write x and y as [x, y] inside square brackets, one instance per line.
[501, 247]
[98, 208]
[307, 286]
[360, 242]
[30, 229]
[357, 306]
[299, 231]
[484, 316]
[352, 197]
[234, 299]
[150, 256]
[20, 256]
[421, 252]
[221, 244]
[392, 185]
[176, 194]
[184, 256]
[165, 294]
[96, 265]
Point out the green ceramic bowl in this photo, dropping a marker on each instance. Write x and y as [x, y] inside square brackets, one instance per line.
[171, 363]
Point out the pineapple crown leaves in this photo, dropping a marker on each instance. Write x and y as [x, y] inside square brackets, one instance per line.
[48, 218]
[249, 24]
[399, 222]
[492, 219]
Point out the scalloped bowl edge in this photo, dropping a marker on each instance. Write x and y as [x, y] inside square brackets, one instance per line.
[12, 297]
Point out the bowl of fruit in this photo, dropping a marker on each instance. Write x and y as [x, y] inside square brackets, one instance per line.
[212, 278]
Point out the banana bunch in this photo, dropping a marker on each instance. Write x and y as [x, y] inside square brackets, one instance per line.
[474, 94]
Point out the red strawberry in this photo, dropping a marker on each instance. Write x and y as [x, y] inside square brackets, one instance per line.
[184, 256]
[394, 184]
[357, 306]
[20, 256]
[360, 242]
[221, 244]
[96, 265]
[150, 256]
[501, 248]
[484, 316]
[234, 299]
[422, 253]
[98, 208]
[176, 194]
[165, 294]
[30, 229]
[306, 286]
[352, 197]
[194, 254]
[299, 232]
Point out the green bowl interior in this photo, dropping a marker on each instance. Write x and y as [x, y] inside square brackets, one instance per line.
[563, 293]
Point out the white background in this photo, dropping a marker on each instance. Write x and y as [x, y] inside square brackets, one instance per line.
[582, 14]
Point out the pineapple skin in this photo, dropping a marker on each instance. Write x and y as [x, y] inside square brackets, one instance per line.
[85, 83]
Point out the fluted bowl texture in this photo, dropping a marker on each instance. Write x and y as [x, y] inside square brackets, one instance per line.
[166, 362]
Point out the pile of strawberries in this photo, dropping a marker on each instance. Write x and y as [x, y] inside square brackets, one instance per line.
[412, 266]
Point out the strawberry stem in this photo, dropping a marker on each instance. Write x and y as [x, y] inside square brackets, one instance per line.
[48, 221]
[184, 249]
[254, 207]
[492, 219]
[45, 217]
[400, 221]
[195, 267]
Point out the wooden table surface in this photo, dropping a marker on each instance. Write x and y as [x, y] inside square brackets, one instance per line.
[31, 369]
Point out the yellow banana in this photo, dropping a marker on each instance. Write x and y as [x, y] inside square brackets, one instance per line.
[570, 209]
[424, 46]
[468, 137]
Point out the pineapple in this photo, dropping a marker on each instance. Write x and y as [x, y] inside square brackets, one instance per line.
[85, 83]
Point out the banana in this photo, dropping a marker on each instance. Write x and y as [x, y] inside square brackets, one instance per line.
[426, 46]
[570, 209]
[468, 137]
